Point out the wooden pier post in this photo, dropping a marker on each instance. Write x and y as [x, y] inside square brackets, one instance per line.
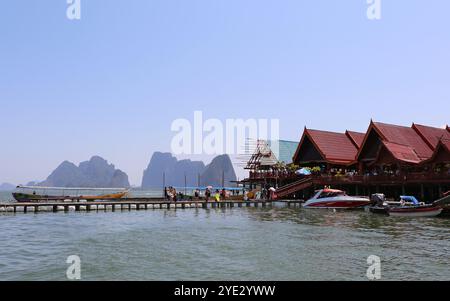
[88, 208]
[55, 208]
[77, 208]
[36, 209]
[205, 205]
[66, 208]
[25, 208]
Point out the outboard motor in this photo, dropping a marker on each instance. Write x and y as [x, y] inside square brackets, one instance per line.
[378, 199]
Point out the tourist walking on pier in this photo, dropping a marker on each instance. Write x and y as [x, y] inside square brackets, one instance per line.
[207, 194]
[217, 196]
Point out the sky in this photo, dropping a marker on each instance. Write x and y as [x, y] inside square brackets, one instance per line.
[111, 83]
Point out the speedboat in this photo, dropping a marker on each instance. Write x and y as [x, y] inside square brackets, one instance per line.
[417, 209]
[335, 199]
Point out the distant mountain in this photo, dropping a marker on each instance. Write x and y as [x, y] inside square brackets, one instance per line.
[219, 172]
[95, 173]
[166, 165]
[7, 187]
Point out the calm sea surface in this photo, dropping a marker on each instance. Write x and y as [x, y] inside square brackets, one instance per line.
[222, 244]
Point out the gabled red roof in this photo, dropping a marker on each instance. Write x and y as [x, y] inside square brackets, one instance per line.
[356, 137]
[405, 136]
[402, 152]
[334, 147]
[431, 135]
[442, 145]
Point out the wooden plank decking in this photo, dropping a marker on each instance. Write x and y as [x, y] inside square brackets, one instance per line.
[131, 204]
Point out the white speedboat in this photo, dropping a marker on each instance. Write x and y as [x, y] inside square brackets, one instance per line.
[335, 199]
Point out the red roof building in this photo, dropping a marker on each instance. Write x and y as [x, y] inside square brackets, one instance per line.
[431, 135]
[441, 153]
[387, 143]
[327, 147]
[356, 138]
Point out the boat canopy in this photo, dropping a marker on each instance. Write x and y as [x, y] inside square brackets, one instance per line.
[411, 199]
[68, 188]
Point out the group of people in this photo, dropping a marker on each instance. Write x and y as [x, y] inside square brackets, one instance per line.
[218, 195]
[170, 193]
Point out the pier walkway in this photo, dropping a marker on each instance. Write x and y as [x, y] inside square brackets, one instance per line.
[132, 204]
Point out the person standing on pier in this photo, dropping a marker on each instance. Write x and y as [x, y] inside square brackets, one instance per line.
[207, 194]
[217, 196]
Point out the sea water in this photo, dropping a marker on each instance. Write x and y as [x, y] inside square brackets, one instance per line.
[274, 243]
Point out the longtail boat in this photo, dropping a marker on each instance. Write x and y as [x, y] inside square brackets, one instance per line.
[30, 194]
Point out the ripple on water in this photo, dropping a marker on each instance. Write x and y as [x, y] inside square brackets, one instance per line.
[237, 244]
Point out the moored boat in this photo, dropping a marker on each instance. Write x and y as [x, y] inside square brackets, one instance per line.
[411, 207]
[415, 211]
[335, 199]
[31, 194]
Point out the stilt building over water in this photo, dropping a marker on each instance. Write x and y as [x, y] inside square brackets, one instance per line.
[390, 159]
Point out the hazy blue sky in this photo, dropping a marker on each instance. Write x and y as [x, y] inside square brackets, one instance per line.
[112, 83]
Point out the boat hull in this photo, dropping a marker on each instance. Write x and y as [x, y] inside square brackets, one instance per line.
[25, 198]
[415, 212]
[378, 210]
[337, 204]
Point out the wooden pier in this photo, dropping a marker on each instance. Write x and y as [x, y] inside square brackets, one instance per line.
[128, 205]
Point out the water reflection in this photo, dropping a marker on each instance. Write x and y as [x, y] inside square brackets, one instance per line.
[353, 219]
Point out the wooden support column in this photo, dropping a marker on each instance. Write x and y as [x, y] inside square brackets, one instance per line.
[25, 208]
